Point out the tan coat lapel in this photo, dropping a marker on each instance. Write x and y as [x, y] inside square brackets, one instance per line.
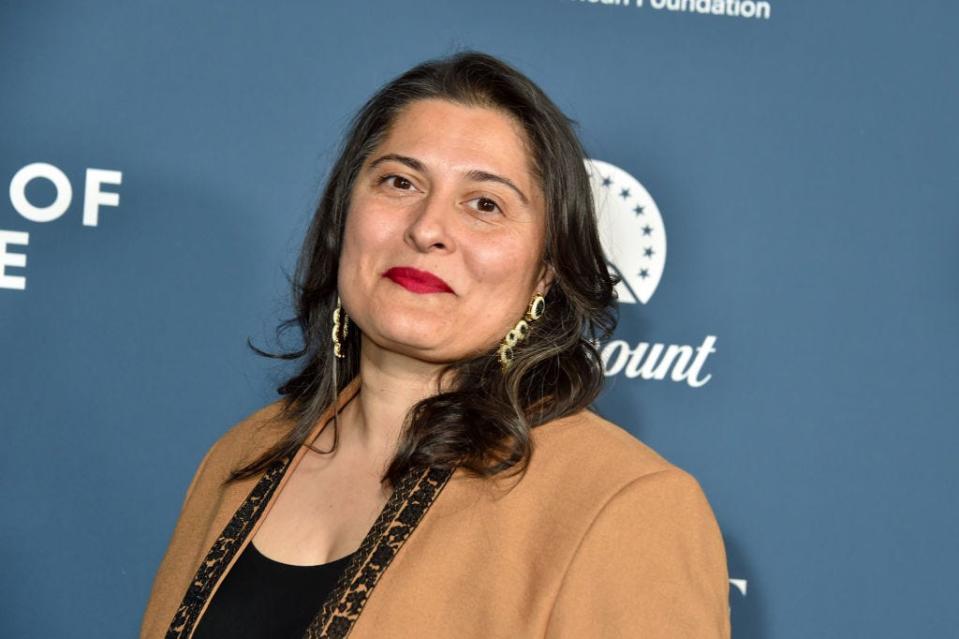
[242, 508]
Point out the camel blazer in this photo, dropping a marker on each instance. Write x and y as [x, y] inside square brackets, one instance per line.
[601, 538]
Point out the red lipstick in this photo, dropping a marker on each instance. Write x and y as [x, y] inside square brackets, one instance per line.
[416, 280]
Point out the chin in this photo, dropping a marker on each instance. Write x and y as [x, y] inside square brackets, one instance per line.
[409, 334]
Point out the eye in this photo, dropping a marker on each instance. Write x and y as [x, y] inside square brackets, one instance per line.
[485, 202]
[401, 182]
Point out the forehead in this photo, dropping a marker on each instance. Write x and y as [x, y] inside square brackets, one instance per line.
[448, 136]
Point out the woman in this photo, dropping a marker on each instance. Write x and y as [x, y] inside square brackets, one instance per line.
[433, 468]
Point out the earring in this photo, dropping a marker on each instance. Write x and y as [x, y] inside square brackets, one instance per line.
[340, 320]
[519, 333]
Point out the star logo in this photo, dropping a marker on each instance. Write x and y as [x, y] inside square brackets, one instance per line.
[631, 230]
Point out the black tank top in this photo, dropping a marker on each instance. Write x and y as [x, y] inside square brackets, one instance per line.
[264, 599]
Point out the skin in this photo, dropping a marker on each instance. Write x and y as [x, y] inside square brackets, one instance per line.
[482, 237]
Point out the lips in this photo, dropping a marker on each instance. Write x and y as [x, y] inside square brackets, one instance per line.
[416, 280]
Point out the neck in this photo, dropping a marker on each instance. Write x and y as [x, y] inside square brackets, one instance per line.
[390, 384]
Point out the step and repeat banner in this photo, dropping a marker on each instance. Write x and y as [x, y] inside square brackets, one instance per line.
[776, 185]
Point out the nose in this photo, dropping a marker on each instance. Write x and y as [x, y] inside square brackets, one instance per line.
[429, 225]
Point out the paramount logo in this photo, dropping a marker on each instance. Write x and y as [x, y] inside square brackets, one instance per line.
[634, 240]
[655, 361]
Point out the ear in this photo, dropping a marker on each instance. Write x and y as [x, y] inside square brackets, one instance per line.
[546, 278]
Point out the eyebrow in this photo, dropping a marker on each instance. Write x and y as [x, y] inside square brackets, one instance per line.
[473, 174]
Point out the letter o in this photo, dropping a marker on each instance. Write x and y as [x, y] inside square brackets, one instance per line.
[621, 350]
[18, 192]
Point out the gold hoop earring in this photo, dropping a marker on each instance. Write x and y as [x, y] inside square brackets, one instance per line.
[520, 332]
[341, 327]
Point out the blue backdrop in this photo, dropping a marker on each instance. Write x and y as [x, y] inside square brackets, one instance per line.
[796, 350]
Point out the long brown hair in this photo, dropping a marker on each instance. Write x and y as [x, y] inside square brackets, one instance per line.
[483, 423]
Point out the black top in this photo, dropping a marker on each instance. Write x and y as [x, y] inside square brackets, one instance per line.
[265, 599]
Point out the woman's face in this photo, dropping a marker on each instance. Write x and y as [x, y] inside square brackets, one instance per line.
[447, 194]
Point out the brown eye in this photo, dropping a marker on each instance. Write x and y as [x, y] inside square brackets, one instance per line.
[401, 182]
[487, 205]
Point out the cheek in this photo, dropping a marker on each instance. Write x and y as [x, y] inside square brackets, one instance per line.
[366, 235]
[496, 265]
[500, 270]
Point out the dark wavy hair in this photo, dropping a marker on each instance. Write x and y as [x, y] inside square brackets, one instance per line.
[483, 421]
